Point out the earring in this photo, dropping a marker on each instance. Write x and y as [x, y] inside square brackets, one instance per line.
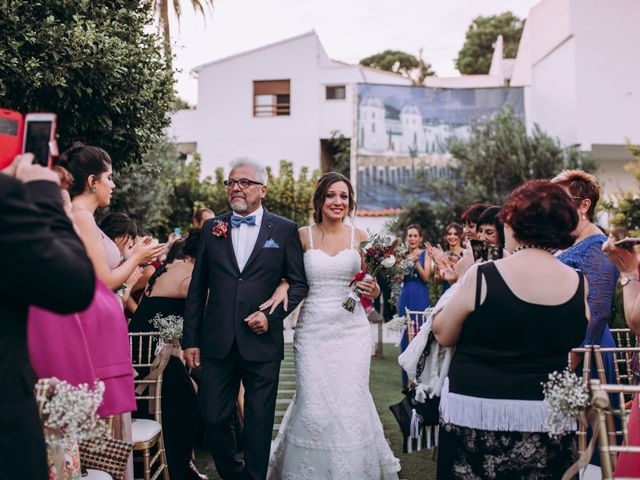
[94, 189]
[584, 217]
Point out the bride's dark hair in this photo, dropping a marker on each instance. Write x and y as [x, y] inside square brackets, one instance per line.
[319, 196]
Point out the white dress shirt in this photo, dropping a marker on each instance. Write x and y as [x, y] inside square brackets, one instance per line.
[244, 238]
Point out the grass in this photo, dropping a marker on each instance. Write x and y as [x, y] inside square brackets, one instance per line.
[385, 387]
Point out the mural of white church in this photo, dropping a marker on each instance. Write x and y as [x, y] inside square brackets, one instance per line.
[410, 133]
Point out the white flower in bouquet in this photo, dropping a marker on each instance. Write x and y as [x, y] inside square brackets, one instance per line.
[169, 327]
[72, 411]
[389, 262]
[567, 398]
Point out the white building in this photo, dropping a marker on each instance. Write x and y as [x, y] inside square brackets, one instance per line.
[276, 102]
[579, 63]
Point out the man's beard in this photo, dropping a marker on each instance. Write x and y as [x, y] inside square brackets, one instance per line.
[241, 207]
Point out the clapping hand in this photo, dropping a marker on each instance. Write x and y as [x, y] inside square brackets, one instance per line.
[146, 249]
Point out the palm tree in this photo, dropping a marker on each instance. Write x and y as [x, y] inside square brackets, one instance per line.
[161, 9]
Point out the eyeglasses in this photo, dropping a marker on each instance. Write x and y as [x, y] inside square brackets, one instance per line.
[242, 183]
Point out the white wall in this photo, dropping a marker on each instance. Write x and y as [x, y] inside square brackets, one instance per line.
[608, 70]
[223, 124]
[228, 128]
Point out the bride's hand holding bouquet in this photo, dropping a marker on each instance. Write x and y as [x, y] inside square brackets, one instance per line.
[381, 254]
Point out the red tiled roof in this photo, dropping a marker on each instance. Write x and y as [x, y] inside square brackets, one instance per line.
[385, 212]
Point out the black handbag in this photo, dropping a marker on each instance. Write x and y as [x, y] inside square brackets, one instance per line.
[418, 421]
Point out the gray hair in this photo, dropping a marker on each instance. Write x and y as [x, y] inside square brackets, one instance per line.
[261, 171]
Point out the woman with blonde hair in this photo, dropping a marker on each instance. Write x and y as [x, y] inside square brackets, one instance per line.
[586, 255]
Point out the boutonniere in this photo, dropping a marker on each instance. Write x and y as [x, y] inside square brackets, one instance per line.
[220, 228]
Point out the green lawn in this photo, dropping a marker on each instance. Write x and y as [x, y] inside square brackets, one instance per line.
[385, 388]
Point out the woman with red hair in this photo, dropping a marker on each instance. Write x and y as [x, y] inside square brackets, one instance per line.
[513, 321]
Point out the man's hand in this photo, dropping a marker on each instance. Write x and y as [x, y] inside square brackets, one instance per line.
[257, 322]
[25, 170]
[192, 357]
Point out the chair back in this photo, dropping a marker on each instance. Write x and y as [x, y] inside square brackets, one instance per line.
[612, 441]
[414, 320]
[148, 382]
[624, 337]
[623, 362]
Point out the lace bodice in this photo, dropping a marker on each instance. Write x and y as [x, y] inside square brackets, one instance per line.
[602, 277]
[329, 276]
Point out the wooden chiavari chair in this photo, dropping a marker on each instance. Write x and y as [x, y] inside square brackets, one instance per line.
[147, 434]
[624, 337]
[608, 442]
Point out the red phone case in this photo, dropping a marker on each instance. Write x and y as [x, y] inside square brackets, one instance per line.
[11, 135]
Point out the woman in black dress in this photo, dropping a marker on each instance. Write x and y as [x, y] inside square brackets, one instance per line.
[166, 295]
[513, 321]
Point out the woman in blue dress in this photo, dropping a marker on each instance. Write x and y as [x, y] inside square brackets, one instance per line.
[415, 292]
[586, 255]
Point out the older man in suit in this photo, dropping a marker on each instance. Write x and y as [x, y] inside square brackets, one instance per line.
[242, 258]
[44, 264]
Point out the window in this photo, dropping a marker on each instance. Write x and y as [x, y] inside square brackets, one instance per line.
[271, 98]
[336, 92]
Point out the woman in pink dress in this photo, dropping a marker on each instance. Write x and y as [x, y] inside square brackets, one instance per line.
[105, 328]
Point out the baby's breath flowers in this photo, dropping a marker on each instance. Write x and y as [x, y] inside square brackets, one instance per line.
[169, 327]
[72, 411]
[567, 398]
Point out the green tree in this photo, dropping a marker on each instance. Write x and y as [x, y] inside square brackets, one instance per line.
[94, 64]
[498, 156]
[396, 61]
[339, 149]
[476, 53]
[161, 10]
[422, 214]
[164, 190]
[624, 208]
[290, 197]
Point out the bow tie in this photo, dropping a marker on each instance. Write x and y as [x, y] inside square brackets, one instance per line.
[236, 221]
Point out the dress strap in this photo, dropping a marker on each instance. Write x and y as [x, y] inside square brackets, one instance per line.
[353, 236]
[311, 236]
[478, 286]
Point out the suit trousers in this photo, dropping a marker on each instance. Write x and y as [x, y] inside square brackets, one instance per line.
[218, 394]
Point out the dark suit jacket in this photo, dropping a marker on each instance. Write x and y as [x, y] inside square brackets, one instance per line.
[213, 325]
[43, 263]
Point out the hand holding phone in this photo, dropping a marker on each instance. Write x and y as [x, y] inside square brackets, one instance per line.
[627, 243]
[40, 137]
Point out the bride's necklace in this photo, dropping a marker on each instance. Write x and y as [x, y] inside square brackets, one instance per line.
[524, 247]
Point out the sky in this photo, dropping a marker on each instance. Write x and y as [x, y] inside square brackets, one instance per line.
[348, 29]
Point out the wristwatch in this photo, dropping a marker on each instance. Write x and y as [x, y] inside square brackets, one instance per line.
[624, 281]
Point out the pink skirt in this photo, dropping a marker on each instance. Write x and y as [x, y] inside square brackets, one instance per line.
[83, 347]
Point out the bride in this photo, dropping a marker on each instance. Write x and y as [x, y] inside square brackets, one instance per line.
[331, 429]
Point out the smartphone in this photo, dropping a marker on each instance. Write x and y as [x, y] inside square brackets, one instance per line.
[40, 137]
[486, 251]
[11, 136]
[177, 231]
[628, 243]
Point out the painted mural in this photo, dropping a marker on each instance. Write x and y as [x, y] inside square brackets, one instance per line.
[403, 132]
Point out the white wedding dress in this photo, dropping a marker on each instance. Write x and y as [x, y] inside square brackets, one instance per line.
[331, 430]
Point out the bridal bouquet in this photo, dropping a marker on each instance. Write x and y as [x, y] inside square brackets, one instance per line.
[382, 254]
[169, 327]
